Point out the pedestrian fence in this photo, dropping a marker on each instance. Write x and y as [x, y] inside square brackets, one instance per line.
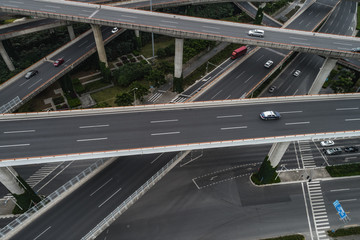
[29, 213]
[8, 107]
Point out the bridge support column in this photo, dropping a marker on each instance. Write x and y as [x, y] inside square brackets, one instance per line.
[6, 57]
[99, 43]
[179, 47]
[276, 152]
[324, 72]
[8, 179]
[137, 33]
[71, 32]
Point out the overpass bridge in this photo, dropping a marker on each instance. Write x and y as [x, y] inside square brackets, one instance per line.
[187, 27]
[95, 133]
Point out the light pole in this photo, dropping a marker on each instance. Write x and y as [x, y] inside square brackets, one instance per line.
[152, 35]
[134, 89]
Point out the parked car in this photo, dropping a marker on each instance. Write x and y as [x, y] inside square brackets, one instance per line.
[332, 151]
[270, 115]
[256, 33]
[31, 73]
[327, 143]
[58, 62]
[268, 64]
[297, 73]
[272, 89]
[356, 49]
[351, 149]
[114, 30]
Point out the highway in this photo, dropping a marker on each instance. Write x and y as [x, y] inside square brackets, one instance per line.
[134, 224]
[48, 134]
[188, 27]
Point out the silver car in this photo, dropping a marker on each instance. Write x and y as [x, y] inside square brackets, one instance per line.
[256, 33]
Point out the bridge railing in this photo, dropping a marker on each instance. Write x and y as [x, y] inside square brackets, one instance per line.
[99, 228]
[8, 229]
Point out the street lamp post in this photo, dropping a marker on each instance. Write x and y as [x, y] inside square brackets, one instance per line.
[152, 35]
[134, 89]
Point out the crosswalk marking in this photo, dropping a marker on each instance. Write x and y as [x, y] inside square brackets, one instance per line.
[155, 97]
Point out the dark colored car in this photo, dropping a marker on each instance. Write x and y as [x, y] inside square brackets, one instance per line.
[356, 49]
[31, 73]
[270, 115]
[58, 62]
[351, 149]
[272, 89]
[332, 151]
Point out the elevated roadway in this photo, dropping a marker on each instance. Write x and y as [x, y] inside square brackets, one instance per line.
[188, 27]
[85, 134]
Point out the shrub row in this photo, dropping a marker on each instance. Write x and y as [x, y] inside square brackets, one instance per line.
[344, 170]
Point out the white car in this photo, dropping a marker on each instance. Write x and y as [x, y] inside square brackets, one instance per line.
[256, 33]
[297, 73]
[114, 30]
[327, 143]
[268, 64]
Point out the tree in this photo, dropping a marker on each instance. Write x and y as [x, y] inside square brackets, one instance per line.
[344, 84]
[105, 72]
[156, 77]
[140, 91]
[124, 99]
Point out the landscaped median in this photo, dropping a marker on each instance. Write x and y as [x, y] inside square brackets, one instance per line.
[288, 237]
[341, 232]
[344, 170]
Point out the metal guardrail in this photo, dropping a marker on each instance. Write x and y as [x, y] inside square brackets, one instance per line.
[29, 213]
[100, 227]
[8, 107]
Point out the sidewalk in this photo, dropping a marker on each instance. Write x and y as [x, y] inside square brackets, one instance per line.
[300, 175]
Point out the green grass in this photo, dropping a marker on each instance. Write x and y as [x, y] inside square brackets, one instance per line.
[345, 232]
[95, 85]
[344, 170]
[108, 95]
[161, 42]
[289, 237]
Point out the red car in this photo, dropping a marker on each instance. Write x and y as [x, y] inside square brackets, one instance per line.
[58, 62]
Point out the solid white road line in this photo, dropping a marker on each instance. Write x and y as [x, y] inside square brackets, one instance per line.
[109, 197]
[95, 126]
[35, 83]
[91, 139]
[229, 116]
[42, 233]
[165, 133]
[101, 187]
[292, 112]
[156, 158]
[344, 109]
[20, 131]
[162, 121]
[295, 123]
[16, 145]
[230, 128]
[348, 200]
[338, 190]
[353, 119]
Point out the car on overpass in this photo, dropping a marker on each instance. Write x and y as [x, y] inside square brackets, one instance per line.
[356, 49]
[256, 33]
[31, 73]
[268, 64]
[297, 73]
[270, 115]
[58, 62]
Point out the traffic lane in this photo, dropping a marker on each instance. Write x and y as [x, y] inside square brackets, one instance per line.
[242, 79]
[342, 21]
[347, 192]
[73, 217]
[132, 130]
[27, 25]
[287, 84]
[344, 157]
[162, 21]
[310, 18]
[23, 87]
[236, 206]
